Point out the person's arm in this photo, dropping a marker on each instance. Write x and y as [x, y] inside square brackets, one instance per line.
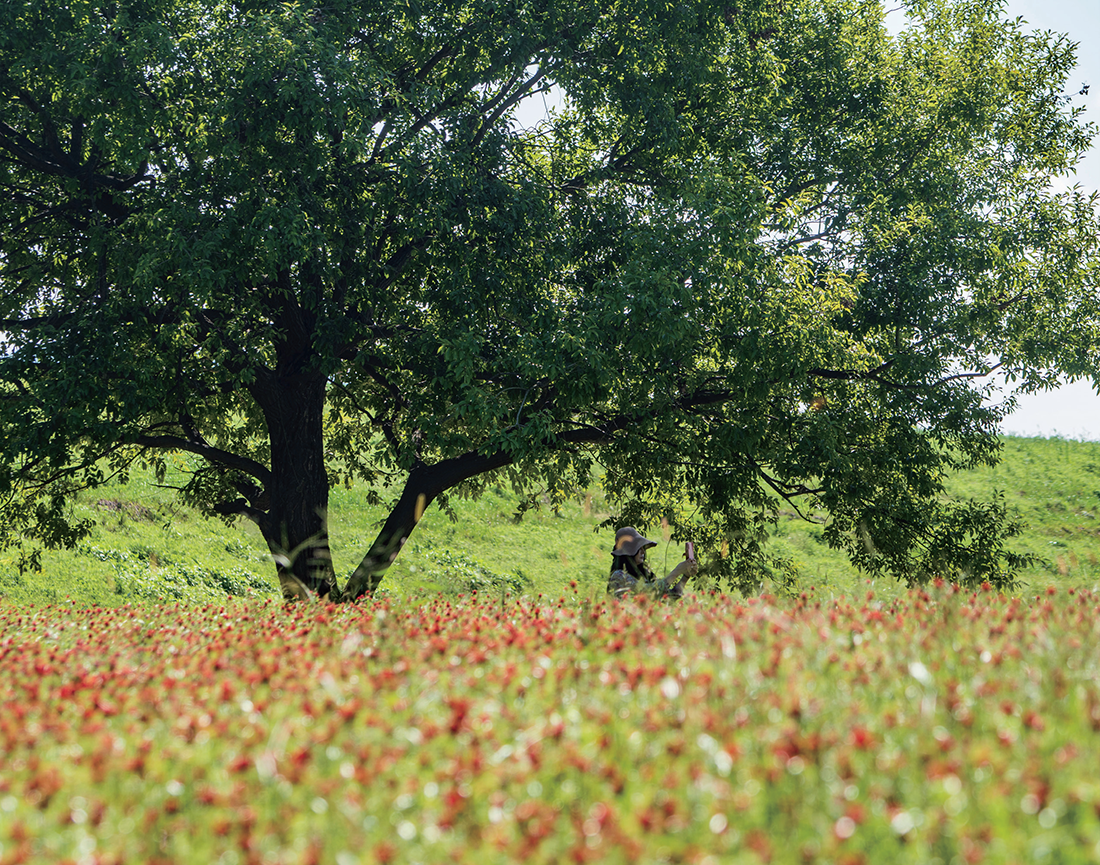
[680, 575]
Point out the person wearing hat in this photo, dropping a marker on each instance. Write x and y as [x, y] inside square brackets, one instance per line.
[630, 573]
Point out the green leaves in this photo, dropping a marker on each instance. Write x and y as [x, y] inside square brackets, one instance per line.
[756, 254]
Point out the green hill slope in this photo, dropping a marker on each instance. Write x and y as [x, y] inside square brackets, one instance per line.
[146, 547]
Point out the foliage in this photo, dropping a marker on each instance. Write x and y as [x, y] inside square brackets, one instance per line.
[942, 725]
[1050, 484]
[137, 579]
[463, 573]
[761, 252]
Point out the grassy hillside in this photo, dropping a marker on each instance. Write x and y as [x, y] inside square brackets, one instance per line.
[1053, 483]
[147, 547]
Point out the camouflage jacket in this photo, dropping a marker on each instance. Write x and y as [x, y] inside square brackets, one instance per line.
[620, 584]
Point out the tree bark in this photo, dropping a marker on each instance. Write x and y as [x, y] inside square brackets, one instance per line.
[424, 484]
[428, 481]
[296, 524]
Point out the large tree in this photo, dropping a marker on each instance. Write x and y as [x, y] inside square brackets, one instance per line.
[757, 256]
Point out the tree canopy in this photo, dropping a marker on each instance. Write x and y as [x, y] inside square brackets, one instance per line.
[762, 254]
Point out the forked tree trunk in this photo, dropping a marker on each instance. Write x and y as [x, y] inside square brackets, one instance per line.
[296, 525]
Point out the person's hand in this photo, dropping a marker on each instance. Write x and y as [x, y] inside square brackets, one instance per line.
[685, 569]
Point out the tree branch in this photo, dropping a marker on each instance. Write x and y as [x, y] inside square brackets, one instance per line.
[487, 124]
[787, 491]
[214, 455]
[240, 507]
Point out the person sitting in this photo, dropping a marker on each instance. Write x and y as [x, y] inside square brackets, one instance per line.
[630, 573]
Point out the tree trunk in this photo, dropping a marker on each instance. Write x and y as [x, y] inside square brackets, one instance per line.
[428, 481]
[296, 525]
[416, 496]
[424, 484]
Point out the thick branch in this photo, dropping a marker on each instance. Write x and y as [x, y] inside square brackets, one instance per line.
[427, 482]
[214, 455]
[240, 507]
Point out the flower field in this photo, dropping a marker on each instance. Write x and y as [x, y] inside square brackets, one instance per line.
[946, 726]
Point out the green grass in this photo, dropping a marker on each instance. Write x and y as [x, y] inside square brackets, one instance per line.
[1053, 483]
[146, 546]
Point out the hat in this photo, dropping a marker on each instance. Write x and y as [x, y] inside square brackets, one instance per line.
[628, 541]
